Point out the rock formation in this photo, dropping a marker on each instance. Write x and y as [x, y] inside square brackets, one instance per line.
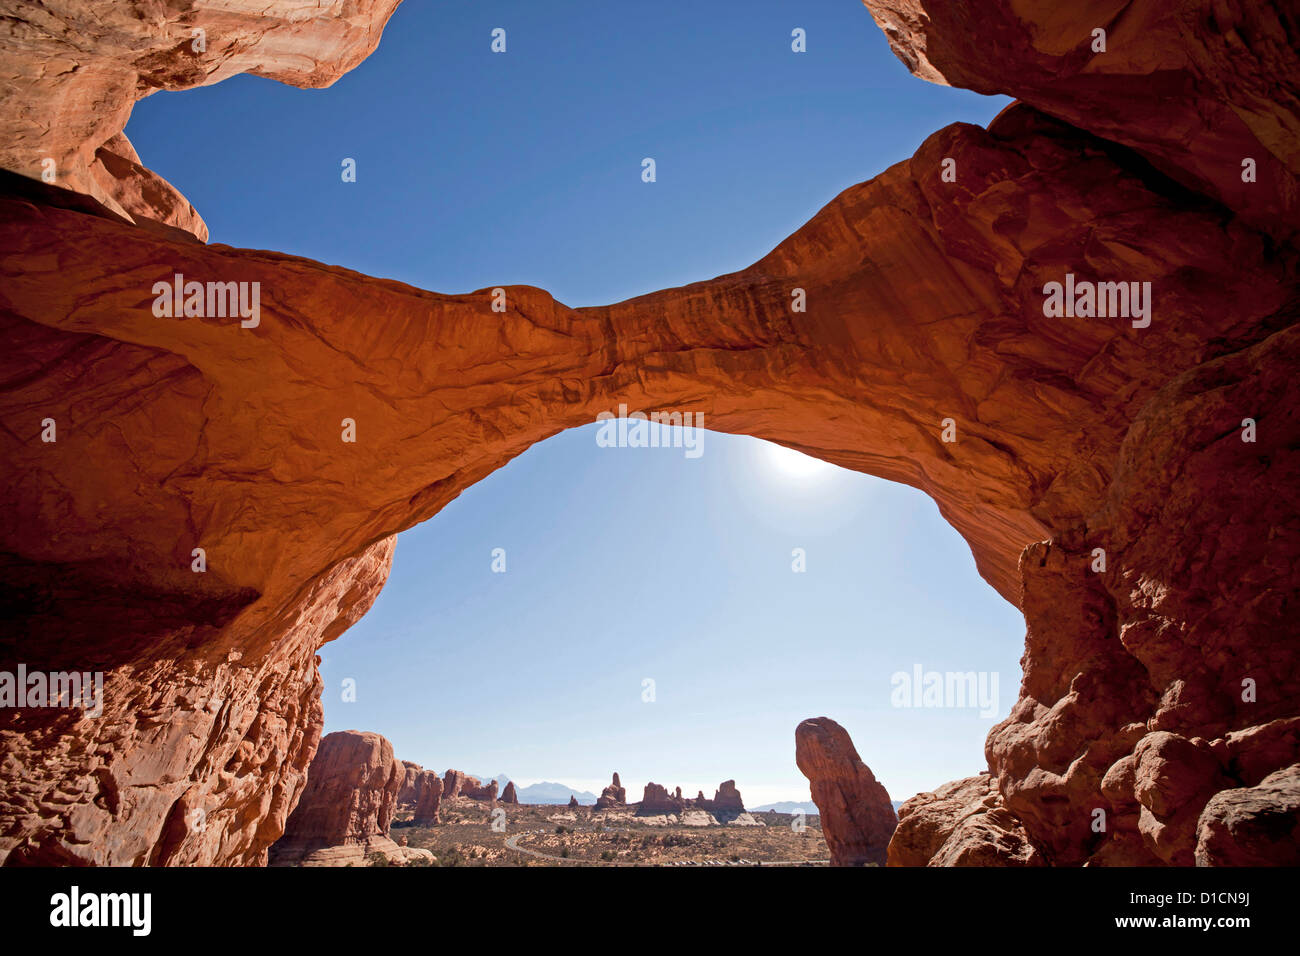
[509, 795]
[1253, 826]
[857, 816]
[1130, 488]
[963, 823]
[474, 790]
[73, 72]
[347, 805]
[573, 802]
[656, 799]
[1192, 90]
[453, 783]
[726, 798]
[615, 795]
[428, 798]
[406, 796]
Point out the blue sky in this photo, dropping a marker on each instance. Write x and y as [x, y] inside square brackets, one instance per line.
[477, 169]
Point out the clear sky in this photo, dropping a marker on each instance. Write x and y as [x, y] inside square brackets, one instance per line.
[477, 169]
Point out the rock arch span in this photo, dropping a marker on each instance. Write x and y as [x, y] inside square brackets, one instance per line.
[923, 303]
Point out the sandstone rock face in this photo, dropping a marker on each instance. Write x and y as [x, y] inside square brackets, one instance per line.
[407, 795]
[453, 783]
[474, 790]
[1253, 826]
[74, 71]
[726, 797]
[198, 759]
[509, 795]
[857, 816]
[925, 304]
[349, 800]
[428, 798]
[963, 823]
[656, 799]
[1194, 90]
[573, 801]
[615, 795]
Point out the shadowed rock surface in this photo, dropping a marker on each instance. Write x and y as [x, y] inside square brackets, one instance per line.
[924, 304]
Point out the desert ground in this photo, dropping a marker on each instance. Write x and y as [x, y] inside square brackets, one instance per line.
[556, 835]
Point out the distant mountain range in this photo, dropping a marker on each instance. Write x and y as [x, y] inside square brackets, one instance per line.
[807, 806]
[544, 792]
[547, 792]
[787, 806]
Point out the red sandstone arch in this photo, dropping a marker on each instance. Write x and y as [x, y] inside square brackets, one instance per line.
[924, 303]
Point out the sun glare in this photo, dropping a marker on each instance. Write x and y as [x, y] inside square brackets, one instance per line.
[795, 465]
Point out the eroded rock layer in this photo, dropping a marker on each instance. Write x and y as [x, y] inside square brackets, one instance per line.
[1159, 682]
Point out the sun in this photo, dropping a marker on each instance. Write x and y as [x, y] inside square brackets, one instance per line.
[795, 465]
